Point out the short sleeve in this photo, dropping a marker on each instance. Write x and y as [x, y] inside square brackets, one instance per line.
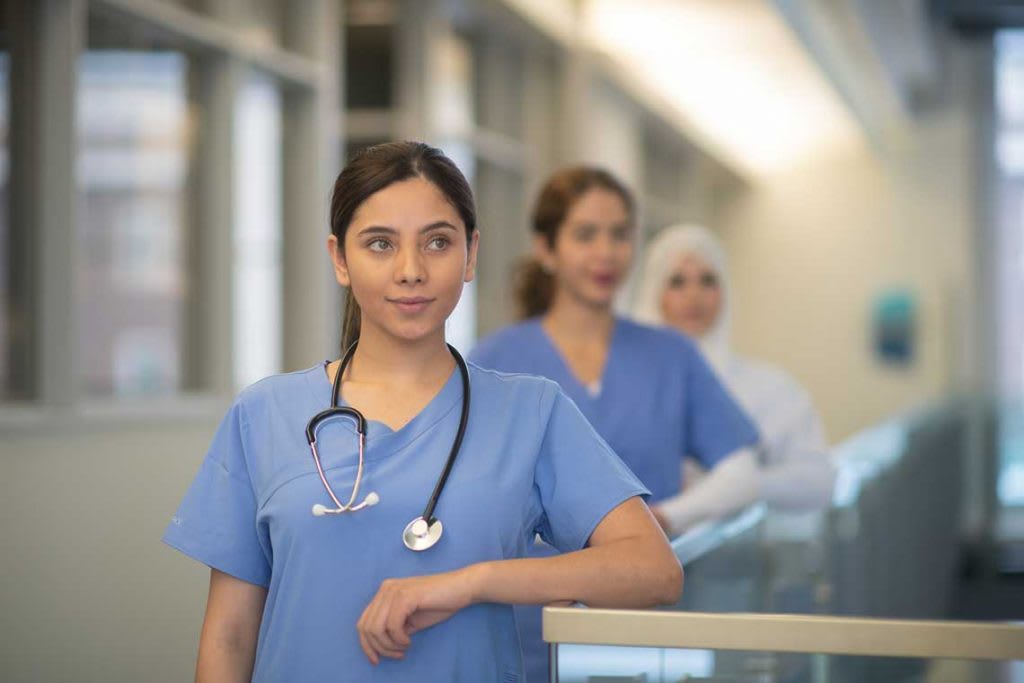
[715, 424]
[578, 476]
[216, 522]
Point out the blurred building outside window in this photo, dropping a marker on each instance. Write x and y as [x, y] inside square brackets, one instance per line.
[1009, 137]
[132, 170]
[257, 234]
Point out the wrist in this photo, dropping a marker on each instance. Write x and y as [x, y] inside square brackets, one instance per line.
[477, 580]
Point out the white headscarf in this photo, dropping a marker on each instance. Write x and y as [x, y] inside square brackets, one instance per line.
[662, 255]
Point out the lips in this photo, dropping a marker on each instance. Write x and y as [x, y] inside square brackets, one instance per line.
[411, 304]
[605, 280]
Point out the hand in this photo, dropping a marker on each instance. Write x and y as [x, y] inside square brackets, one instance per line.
[402, 607]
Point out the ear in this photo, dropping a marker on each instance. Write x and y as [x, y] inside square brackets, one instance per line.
[337, 255]
[543, 253]
[474, 249]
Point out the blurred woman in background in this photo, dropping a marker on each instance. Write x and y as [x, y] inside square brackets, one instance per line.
[684, 285]
[647, 391]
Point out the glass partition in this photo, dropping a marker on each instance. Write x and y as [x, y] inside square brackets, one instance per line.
[665, 647]
[888, 546]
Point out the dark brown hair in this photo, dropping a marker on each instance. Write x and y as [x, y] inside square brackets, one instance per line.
[375, 168]
[535, 287]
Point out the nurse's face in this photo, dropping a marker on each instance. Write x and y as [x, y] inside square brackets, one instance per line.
[593, 248]
[406, 258]
[692, 298]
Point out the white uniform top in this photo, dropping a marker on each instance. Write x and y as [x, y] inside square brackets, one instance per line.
[792, 469]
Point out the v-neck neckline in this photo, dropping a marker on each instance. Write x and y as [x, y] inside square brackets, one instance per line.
[582, 388]
[381, 440]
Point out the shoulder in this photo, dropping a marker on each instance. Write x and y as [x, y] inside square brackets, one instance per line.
[769, 382]
[767, 375]
[507, 385]
[663, 341]
[506, 339]
[277, 389]
[514, 395]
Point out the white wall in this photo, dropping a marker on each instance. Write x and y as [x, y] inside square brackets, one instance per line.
[811, 249]
[89, 593]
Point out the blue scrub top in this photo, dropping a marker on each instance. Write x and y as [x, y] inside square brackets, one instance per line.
[658, 401]
[248, 514]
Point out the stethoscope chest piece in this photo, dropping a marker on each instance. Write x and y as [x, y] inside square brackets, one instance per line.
[419, 535]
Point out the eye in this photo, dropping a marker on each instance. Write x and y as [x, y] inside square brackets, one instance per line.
[622, 233]
[438, 243]
[677, 282]
[709, 280]
[378, 244]
[585, 234]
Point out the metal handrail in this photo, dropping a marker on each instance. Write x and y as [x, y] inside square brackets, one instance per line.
[785, 633]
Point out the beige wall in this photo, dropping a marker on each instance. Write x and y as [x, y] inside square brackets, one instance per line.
[88, 591]
[811, 249]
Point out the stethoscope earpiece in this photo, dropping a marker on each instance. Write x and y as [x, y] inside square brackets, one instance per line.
[371, 499]
[419, 534]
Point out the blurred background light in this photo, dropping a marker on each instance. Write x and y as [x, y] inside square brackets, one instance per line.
[718, 62]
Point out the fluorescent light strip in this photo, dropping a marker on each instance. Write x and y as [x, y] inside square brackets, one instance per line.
[733, 70]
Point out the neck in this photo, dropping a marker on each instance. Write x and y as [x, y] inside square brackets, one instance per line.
[573, 319]
[381, 358]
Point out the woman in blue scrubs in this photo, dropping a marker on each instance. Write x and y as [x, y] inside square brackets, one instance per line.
[300, 597]
[646, 390]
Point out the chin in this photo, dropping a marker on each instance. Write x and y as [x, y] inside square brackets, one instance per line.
[598, 299]
[413, 334]
[415, 330]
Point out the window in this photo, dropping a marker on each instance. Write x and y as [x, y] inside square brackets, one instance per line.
[1009, 250]
[6, 304]
[257, 231]
[133, 165]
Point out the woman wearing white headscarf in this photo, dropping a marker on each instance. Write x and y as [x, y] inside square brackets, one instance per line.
[685, 285]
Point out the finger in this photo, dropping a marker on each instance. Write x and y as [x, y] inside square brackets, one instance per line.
[380, 646]
[365, 624]
[395, 623]
[392, 654]
[368, 649]
[377, 621]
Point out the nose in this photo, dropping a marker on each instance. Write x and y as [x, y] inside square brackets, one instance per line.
[409, 267]
[606, 247]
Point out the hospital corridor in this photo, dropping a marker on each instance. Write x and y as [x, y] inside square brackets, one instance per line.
[525, 341]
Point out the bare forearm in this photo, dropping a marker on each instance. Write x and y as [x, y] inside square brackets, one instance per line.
[227, 644]
[631, 573]
[224, 659]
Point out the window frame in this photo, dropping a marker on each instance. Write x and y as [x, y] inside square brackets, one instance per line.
[44, 192]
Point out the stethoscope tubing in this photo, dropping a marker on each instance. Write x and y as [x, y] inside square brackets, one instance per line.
[361, 426]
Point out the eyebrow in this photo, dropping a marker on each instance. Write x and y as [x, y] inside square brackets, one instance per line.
[590, 225]
[385, 230]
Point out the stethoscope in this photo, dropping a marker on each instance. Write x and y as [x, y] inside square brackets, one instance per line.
[422, 532]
